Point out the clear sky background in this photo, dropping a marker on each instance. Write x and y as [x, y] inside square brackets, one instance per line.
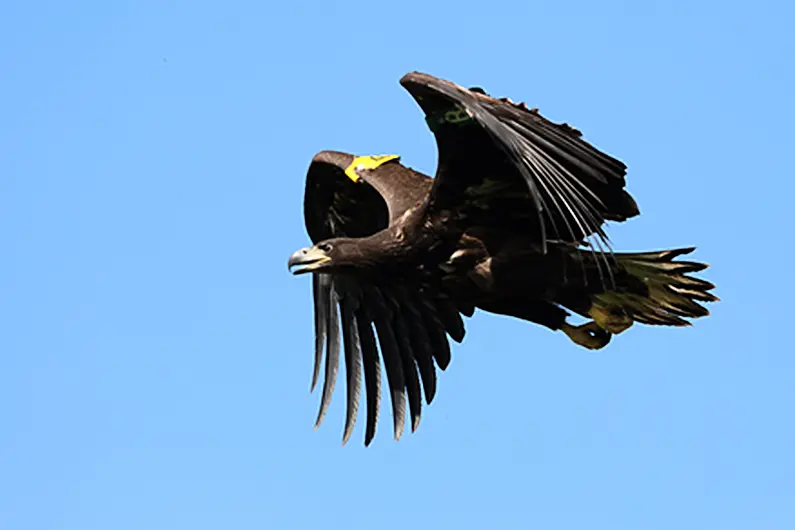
[156, 354]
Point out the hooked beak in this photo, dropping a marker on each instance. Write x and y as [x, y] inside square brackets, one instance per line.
[307, 260]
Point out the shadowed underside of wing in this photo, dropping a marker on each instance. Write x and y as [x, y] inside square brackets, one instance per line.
[335, 206]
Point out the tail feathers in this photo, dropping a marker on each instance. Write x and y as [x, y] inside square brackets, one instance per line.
[672, 295]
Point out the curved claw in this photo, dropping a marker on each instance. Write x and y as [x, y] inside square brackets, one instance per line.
[589, 335]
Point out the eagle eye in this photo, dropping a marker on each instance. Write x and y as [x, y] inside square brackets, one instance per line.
[325, 247]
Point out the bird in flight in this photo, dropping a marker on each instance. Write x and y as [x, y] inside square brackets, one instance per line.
[512, 223]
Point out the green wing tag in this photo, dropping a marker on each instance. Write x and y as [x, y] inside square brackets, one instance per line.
[361, 163]
[456, 116]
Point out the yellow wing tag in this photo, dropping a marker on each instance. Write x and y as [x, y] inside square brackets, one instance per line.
[361, 163]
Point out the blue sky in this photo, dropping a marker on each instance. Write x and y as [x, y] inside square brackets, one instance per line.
[156, 355]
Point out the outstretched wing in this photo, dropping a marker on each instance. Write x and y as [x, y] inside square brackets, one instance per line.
[501, 164]
[409, 324]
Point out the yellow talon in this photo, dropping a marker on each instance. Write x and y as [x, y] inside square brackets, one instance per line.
[589, 335]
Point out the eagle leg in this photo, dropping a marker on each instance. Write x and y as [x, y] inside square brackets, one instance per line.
[589, 335]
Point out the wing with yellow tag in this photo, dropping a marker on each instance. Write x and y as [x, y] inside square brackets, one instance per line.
[364, 321]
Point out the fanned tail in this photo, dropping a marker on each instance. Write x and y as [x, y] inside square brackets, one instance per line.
[659, 292]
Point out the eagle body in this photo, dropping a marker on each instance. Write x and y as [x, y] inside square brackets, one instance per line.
[512, 224]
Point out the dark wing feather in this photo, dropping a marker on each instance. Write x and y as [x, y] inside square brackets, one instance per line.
[372, 372]
[500, 163]
[449, 316]
[353, 361]
[412, 380]
[332, 357]
[382, 317]
[321, 290]
[420, 342]
[436, 330]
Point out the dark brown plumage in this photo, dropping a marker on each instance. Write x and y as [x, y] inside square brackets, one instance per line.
[512, 223]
